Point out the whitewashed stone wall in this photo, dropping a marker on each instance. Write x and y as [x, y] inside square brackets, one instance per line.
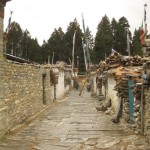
[109, 90]
[111, 93]
[95, 86]
[60, 87]
[67, 88]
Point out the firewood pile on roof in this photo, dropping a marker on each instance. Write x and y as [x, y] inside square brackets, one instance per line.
[115, 60]
[130, 71]
[122, 68]
[121, 76]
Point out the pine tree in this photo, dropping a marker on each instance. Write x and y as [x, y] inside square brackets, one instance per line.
[56, 45]
[25, 44]
[72, 28]
[44, 51]
[114, 25]
[14, 39]
[121, 37]
[103, 40]
[136, 46]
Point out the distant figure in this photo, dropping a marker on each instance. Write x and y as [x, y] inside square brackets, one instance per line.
[76, 83]
[88, 86]
[145, 77]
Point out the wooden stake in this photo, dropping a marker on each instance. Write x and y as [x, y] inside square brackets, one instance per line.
[83, 85]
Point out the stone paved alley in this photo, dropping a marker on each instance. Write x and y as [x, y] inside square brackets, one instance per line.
[74, 124]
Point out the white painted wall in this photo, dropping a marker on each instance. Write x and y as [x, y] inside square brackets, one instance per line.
[111, 92]
[95, 85]
[60, 87]
[103, 90]
[67, 88]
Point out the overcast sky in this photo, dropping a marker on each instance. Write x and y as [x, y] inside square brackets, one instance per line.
[40, 17]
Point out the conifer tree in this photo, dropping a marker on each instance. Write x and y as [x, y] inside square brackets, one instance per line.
[121, 36]
[14, 39]
[136, 46]
[72, 28]
[56, 45]
[103, 40]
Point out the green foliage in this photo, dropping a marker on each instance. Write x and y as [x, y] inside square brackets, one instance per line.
[111, 35]
[22, 45]
[121, 36]
[14, 39]
[25, 44]
[103, 40]
[114, 25]
[60, 44]
[90, 39]
[56, 45]
[136, 46]
[72, 28]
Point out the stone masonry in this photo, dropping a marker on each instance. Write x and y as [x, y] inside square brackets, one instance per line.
[74, 124]
[147, 114]
[24, 88]
[2, 4]
[26, 91]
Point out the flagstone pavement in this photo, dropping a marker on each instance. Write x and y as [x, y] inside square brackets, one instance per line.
[74, 124]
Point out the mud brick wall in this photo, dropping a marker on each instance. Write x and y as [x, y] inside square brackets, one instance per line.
[25, 90]
[147, 114]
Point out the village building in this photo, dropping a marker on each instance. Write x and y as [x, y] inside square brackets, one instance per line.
[124, 81]
[120, 83]
[27, 88]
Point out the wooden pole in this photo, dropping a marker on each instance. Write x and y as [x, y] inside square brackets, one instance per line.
[83, 85]
[73, 51]
[72, 70]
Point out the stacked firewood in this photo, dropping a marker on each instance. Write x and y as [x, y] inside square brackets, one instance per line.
[147, 52]
[117, 60]
[122, 88]
[53, 77]
[102, 67]
[121, 75]
[132, 61]
[114, 60]
[137, 61]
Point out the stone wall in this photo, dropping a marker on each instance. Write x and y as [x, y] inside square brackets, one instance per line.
[112, 93]
[1, 39]
[147, 114]
[60, 87]
[95, 91]
[25, 90]
[1, 59]
[59, 91]
[93, 83]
